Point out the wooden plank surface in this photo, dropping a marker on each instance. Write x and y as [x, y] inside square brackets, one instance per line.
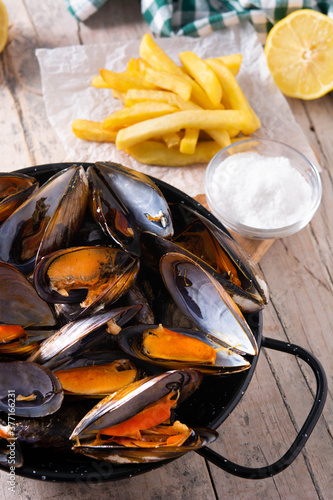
[298, 270]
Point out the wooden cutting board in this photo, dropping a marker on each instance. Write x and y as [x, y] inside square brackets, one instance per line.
[255, 248]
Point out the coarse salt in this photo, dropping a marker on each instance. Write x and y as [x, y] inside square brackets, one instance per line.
[260, 191]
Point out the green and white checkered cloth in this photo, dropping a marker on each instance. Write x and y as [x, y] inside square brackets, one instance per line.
[201, 17]
[83, 9]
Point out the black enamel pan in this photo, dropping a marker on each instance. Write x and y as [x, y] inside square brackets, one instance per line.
[209, 406]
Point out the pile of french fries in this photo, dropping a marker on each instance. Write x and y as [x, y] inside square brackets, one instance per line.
[172, 115]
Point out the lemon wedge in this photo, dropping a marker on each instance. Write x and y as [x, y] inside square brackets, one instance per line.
[299, 54]
[3, 26]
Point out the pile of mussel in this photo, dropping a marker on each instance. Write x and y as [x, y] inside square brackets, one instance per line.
[114, 305]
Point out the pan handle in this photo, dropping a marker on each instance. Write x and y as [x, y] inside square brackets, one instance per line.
[304, 433]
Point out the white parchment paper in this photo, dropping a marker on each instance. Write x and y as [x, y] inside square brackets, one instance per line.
[66, 75]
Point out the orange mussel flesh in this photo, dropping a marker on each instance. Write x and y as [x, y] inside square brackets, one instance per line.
[10, 333]
[91, 268]
[97, 379]
[163, 343]
[14, 340]
[149, 428]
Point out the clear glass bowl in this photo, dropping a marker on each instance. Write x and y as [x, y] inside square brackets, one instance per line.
[269, 148]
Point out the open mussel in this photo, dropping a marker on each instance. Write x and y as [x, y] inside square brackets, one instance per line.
[153, 247]
[80, 335]
[97, 379]
[139, 196]
[91, 277]
[137, 425]
[112, 216]
[65, 325]
[14, 190]
[32, 390]
[180, 348]
[233, 267]
[46, 221]
[201, 297]
[14, 341]
[25, 318]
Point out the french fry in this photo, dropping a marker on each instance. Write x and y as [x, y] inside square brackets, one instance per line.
[200, 97]
[136, 113]
[168, 81]
[222, 137]
[119, 95]
[172, 140]
[156, 57]
[139, 95]
[232, 61]
[171, 110]
[201, 72]
[189, 141]
[134, 95]
[92, 131]
[98, 82]
[123, 81]
[142, 65]
[136, 65]
[233, 133]
[202, 119]
[157, 153]
[160, 61]
[235, 94]
[131, 65]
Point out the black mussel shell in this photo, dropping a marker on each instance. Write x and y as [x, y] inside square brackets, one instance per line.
[130, 340]
[14, 190]
[140, 195]
[126, 403]
[124, 455]
[45, 221]
[153, 247]
[129, 402]
[28, 389]
[79, 335]
[19, 301]
[201, 297]
[111, 215]
[252, 281]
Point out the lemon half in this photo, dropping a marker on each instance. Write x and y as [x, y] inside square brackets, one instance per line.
[3, 26]
[299, 53]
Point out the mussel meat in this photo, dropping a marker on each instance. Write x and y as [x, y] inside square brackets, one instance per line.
[180, 348]
[97, 380]
[91, 276]
[133, 425]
